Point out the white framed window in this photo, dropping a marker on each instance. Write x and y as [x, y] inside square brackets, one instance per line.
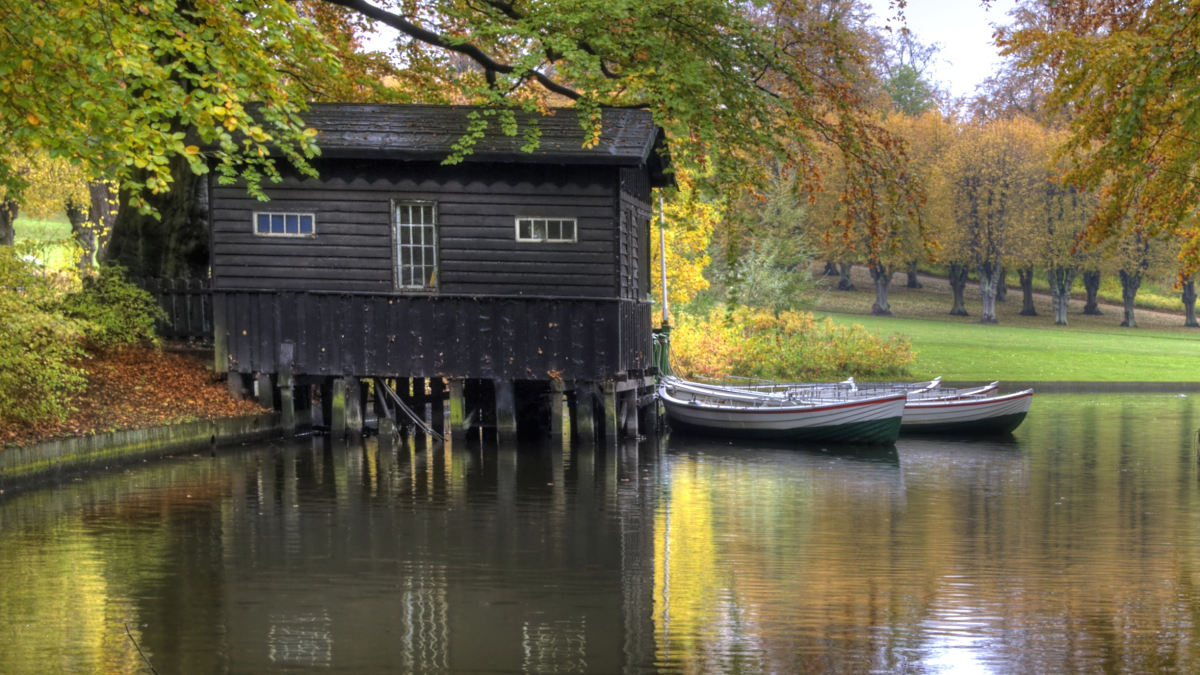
[284, 224]
[415, 232]
[547, 230]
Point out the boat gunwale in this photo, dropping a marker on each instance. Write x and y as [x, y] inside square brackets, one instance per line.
[781, 410]
[952, 403]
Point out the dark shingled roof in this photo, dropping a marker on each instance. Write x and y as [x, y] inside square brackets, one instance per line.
[428, 132]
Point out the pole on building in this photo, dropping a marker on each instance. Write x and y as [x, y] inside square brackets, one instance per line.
[662, 252]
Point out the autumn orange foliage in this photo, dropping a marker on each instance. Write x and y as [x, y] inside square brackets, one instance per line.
[134, 387]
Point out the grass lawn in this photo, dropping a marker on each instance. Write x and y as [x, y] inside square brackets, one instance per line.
[44, 237]
[964, 351]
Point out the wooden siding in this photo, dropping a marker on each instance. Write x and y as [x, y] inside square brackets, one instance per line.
[477, 248]
[391, 335]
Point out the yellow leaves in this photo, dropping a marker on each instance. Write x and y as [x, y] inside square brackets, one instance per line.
[192, 150]
[33, 119]
[219, 111]
[231, 122]
[39, 41]
[53, 182]
[789, 346]
[310, 133]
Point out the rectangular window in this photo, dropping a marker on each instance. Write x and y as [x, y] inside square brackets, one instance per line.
[549, 230]
[416, 245]
[274, 224]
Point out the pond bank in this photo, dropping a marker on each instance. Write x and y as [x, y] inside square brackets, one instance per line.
[36, 463]
[1060, 387]
[137, 387]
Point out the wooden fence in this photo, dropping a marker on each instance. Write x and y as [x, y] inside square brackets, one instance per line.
[187, 303]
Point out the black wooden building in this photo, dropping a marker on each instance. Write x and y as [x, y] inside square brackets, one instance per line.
[512, 273]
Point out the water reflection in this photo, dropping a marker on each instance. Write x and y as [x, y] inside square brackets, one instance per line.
[1071, 547]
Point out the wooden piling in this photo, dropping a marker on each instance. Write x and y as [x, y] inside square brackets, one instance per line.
[420, 402]
[611, 425]
[287, 401]
[437, 405]
[556, 409]
[506, 411]
[458, 410]
[631, 413]
[379, 401]
[236, 385]
[266, 391]
[585, 416]
[337, 408]
[326, 387]
[354, 411]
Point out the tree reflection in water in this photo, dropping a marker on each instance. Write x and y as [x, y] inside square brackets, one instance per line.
[1072, 547]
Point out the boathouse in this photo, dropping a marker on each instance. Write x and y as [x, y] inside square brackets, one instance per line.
[502, 283]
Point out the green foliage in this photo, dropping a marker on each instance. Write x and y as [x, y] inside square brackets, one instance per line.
[763, 280]
[114, 311]
[123, 88]
[909, 91]
[38, 346]
[785, 346]
[762, 257]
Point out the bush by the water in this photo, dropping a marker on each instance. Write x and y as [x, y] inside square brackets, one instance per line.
[790, 345]
[45, 325]
[116, 311]
[38, 345]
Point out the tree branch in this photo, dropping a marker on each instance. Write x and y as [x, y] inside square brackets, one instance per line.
[467, 49]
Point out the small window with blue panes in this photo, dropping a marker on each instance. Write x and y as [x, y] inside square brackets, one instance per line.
[278, 224]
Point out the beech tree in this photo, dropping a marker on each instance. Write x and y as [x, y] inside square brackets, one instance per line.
[1189, 302]
[1125, 73]
[154, 95]
[988, 172]
[1134, 257]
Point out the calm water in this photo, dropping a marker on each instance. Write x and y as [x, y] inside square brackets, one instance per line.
[1072, 548]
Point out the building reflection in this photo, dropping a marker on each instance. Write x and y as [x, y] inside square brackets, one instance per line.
[1073, 547]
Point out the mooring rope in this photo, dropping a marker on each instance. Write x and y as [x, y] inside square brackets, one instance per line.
[408, 411]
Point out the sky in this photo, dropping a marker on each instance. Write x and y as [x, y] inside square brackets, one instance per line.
[963, 27]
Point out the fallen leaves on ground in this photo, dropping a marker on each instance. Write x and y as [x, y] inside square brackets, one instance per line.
[136, 387]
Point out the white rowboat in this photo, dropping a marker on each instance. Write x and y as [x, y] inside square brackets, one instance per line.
[977, 414]
[850, 418]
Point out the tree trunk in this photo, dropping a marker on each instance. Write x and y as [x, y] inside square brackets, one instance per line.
[175, 246]
[1091, 283]
[8, 216]
[831, 269]
[958, 283]
[913, 281]
[102, 212]
[989, 280]
[1026, 276]
[1002, 287]
[1189, 303]
[1061, 279]
[844, 283]
[84, 235]
[1130, 283]
[882, 277]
